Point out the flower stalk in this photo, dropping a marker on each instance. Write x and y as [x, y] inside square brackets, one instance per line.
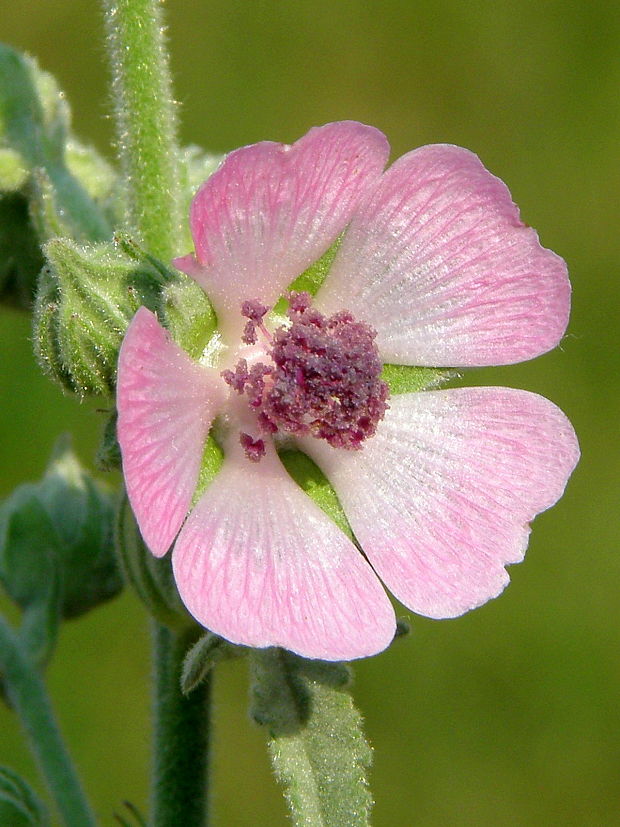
[148, 153]
[180, 789]
[146, 123]
[26, 692]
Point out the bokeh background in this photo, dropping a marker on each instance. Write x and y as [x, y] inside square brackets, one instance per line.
[509, 715]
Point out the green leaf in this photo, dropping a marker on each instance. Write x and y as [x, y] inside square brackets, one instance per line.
[313, 481]
[19, 805]
[408, 379]
[317, 746]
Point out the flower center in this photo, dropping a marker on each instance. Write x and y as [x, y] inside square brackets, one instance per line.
[323, 379]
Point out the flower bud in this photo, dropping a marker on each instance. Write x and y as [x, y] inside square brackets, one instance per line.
[56, 548]
[87, 297]
[50, 184]
[35, 132]
[150, 576]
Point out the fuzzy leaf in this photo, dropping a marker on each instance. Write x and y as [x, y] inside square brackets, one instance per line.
[317, 746]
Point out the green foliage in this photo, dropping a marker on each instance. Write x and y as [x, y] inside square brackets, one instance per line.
[34, 137]
[208, 651]
[50, 184]
[19, 805]
[56, 554]
[151, 577]
[316, 744]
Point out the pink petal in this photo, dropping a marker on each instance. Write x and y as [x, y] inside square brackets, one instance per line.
[260, 564]
[439, 262]
[271, 210]
[166, 403]
[441, 497]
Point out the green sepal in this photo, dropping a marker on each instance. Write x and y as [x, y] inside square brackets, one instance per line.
[19, 804]
[35, 127]
[313, 481]
[56, 554]
[108, 457]
[208, 651]
[13, 172]
[151, 577]
[317, 745]
[86, 299]
[312, 278]
[408, 379]
[210, 464]
[187, 312]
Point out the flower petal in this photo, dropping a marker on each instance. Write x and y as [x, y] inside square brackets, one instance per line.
[439, 262]
[260, 564]
[166, 403]
[440, 498]
[271, 210]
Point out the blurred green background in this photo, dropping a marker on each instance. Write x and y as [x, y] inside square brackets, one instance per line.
[509, 715]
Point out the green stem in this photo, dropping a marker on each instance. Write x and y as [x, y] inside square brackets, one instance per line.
[180, 778]
[26, 692]
[145, 121]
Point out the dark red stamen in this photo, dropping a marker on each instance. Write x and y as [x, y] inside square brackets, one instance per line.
[254, 448]
[324, 380]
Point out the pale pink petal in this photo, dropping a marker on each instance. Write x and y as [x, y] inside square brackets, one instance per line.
[441, 497]
[271, 210]
[166, 403]
[260, 564]
[439, 262]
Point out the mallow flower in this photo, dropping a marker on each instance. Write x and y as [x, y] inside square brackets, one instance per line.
[433, 268]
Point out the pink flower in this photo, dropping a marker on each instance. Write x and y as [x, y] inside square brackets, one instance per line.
[435, 268]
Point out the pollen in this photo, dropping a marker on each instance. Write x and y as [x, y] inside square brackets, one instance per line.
[322, 378]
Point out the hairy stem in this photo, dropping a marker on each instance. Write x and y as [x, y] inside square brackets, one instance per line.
[180, 778]
[145, 121]
[26, 692]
